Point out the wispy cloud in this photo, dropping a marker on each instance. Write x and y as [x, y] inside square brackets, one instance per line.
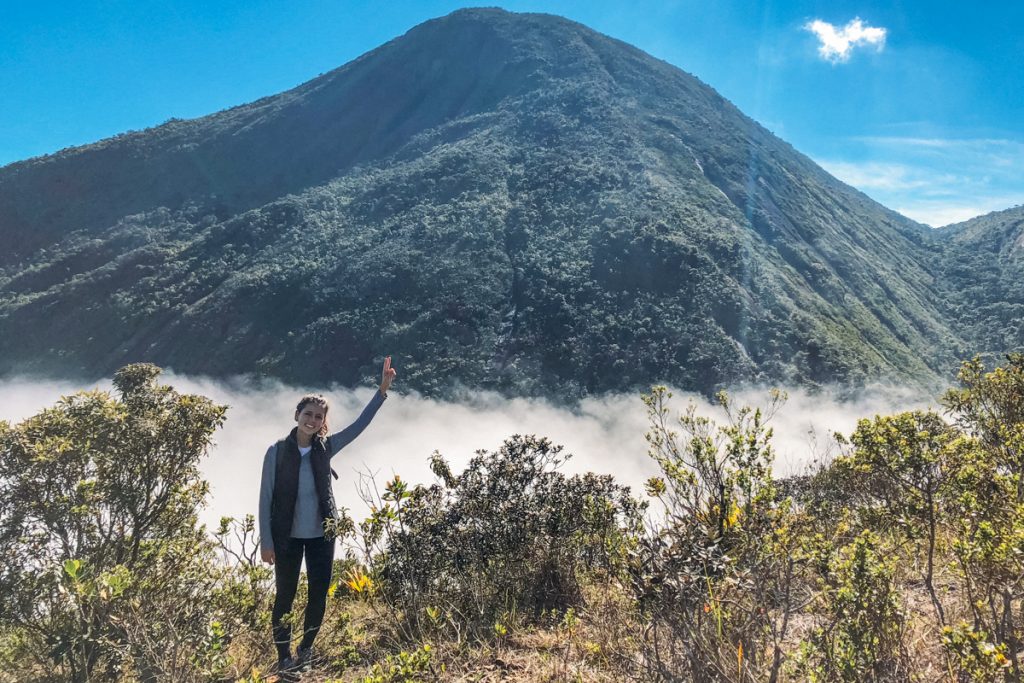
[940, 213]
[837, 43]
[976, 151]
[933, 180]
[878, 175]
[926, 195]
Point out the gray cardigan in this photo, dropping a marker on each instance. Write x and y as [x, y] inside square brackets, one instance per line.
[307, 522]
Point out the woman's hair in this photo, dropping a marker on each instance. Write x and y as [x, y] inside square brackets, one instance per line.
[320, 401]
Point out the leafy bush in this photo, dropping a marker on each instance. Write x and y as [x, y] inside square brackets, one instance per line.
[863, 638]
[508, 536]
[899, 479]
[404, 667]
[103, 555]
[717, 578]
[975, 657]
[986, 502]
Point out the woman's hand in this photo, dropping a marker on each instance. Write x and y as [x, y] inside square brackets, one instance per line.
[387, 376]
[267, 555]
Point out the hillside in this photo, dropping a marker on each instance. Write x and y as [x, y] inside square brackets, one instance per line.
[983, 266]
[506, 201]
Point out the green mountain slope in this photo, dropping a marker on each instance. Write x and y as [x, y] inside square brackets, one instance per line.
[983, 268]
[502, 201]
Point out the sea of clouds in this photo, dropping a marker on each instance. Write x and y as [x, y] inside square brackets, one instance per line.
[604, 434]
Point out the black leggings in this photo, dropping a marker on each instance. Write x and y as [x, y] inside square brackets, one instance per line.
[319, 554]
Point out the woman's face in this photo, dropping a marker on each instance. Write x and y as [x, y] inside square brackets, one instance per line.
[310, 419]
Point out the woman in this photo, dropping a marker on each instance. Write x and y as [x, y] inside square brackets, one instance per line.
[296, 502]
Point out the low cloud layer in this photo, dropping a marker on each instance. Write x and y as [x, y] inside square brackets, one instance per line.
[605, 435]
[836, 44]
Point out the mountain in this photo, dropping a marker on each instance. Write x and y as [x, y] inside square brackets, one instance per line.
[983, 270]
[504, 201]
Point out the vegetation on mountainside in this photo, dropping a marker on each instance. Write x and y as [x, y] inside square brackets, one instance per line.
[506, 201]
[901, 559]
[984, 266]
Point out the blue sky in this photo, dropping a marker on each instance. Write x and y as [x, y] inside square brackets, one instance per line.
[920, 104]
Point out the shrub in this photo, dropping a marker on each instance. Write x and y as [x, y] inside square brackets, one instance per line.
[718, 576]
[975, 658]
[103, 555]
[404, 667]
[508, 536]
[898, 477]
[986, 501]
[863, 637]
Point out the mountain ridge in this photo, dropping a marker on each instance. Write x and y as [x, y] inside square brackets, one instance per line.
[543, 193]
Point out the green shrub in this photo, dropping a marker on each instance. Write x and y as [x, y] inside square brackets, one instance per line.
[974, 657]
[863, 635]
[719, 575]
[404, 667]
[104, 559]
[508, 536]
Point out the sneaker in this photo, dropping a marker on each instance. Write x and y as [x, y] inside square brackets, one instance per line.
[304, 656]
[287, 668]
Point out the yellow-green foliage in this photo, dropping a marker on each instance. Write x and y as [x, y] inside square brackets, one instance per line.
[718, 576]
[103, 555]
[900, 560]
[862, 638]
[973, 655]
[404, 667]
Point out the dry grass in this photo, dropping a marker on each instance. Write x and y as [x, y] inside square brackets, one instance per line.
[594, 644]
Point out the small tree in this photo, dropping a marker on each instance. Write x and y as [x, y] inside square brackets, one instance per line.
[987, 501]
[719, 578]
[863, 638]
[99, 498]
[900, 469]
[990, 406]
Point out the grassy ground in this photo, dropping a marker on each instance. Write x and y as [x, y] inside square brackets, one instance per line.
[359, 643]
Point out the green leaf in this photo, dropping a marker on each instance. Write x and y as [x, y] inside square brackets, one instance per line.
[72, 567]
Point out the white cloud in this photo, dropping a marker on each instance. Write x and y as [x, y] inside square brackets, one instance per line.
[900, 140]
[875, 175]
[975, 152]
[838, 43]
[935, 181]
[605, 434]
[940, 213]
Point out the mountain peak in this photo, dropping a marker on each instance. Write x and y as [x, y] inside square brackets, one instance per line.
[507, 201]
[471, 62]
